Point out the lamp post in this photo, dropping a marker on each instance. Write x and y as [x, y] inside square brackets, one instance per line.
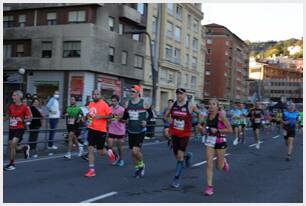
[21, 72]
[153, 69]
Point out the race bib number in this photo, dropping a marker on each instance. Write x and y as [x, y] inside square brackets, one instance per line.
[71, 120]
[179, 124]
[210, 141]
[134, 115]
[257, 120]
[13, 122]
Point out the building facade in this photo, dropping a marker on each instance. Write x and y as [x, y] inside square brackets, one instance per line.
[176, 32]
[274, 80]
[73, 48]
[226, 65]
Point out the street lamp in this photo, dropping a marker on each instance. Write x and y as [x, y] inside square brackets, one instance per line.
[21, 72]
[153, 69]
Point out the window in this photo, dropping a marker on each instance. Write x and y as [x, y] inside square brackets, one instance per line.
[179, 79]
[195, 44]
[51, 18]
[111, 54]
[195, 25]
[22, 20]
[170, 9]
[177, 34]
[194, 62]
[76, 16]
[208, 51]
[187, 60]
[7, 51]
[72, 49]
[124, 55]
[194, 82]
[179, 12]
[138, 61]
[187, 41]
[8, 21]
[170, 77]
[111, 23]
[136, 37]
[121, 29]
[209, 31]
[46, 49]
[168, 52]
[208, 61]
[163, 75]
[177, 55]
[169, 29]
[186, 80]
[140, 8]
[20, 50]
[207, 72]
[209, 41]
[189, 21]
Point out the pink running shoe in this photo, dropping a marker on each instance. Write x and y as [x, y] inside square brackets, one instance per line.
[226, 166]
[111, 156]
[209, 191]
[90, 173]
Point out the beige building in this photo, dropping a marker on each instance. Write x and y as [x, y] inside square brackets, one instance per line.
[176, 32]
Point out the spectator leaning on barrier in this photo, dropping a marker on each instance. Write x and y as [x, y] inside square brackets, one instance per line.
[54, 115]
[36, 124]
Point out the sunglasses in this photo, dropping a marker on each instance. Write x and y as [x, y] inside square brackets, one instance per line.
[132, 91]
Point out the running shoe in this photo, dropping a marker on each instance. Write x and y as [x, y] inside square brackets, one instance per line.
[81, 151]
[35, 156]
[120, 163]
[136, 174]
[209, 191]
[257, 146]
[235, 142]
[90, 173]
[226, 166]
[288, 158]
[115, 163]
[26, 151]
[53, 147]
[67, 156]
[188, 159]
[10, 167]
[142, 170]
[111, 156]
[175, 183]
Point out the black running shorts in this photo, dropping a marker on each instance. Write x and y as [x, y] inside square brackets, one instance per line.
[136, 140]
[96, 138]
[17, 133]
[179, 143]
[74, 128]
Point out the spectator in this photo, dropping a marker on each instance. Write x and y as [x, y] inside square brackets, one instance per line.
[54, 115]
[36, 124]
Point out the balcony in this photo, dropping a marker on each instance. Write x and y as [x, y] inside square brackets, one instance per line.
[132, 16]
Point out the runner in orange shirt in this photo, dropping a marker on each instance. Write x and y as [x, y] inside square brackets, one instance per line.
[98, 114]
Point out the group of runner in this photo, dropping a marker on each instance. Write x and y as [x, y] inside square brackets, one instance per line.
[108, 125]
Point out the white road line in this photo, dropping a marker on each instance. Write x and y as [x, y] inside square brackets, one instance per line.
[204, 162]
[100, 197]
[57, 156]
[277, 136]
[252, 145]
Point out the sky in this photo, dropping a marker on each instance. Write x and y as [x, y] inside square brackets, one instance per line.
[257, 21]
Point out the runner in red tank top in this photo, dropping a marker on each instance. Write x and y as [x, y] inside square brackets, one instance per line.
[18, 113]
[179, 117]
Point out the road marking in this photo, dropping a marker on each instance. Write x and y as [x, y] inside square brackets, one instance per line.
[75, 154]
[252, 145]
[277, 136]
[204, 162]
[99, 197]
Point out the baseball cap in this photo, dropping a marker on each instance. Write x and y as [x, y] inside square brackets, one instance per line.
[180, 90]
[137, 88]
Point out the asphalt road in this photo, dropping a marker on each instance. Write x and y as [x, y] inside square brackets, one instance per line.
[255, 176]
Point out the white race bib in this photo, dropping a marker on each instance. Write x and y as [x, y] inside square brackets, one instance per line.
[257, 120]
[134, 115]
[179, 124]
[71, 120]
[210, 141]
[13, 122]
